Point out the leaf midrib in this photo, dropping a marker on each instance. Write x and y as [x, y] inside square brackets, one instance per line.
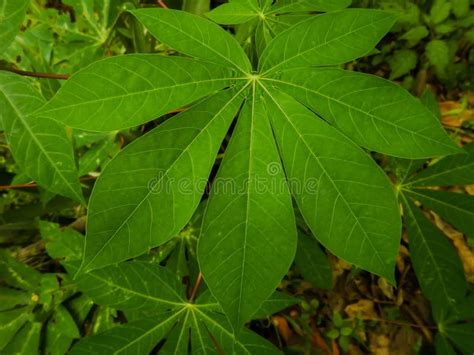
[359, 110]
[430, 253]
[85, 103]
[442, 172]
[329, 177]
[441, 202]
[271, 69]
[133, 292]
[227, 59]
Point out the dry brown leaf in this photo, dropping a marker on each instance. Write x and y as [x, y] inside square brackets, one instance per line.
[386, 288]
[363, 309]
[469, 189]
[380, 345]
[456, 118]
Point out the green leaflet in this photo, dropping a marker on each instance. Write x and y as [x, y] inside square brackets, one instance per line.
[40, 146]
[10, 322]
[232, 13]
[442, 345]
[345, 198]
[437, 266]
[133, 286]
[328, 39]
[249, 217]
[374, 112]
[312, 262]
[461, 336]
[151, 189]
[292, 6]
[26, 341]
[194, 36]
[61, 331]
[12, 13]
[453, 170]
[125, 91]
[455, 208]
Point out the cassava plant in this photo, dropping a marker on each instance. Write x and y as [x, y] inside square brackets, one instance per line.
[296, 131]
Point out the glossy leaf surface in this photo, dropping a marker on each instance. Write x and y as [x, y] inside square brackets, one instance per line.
[345, 198]
[40, 145]
[247, 222]
[328, 39]
[125, 91]
[151, 189]
[194, 36]
[436, 264]
[367, 109]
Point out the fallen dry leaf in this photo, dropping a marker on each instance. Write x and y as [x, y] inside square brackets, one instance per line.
[453, 114]
[363, 309]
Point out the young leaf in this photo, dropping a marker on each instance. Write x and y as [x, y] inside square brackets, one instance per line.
[374, 112]
[133, 286]
[247, 222]
[453, 170]
[313, 263]
[12, 13]
[40, 146]
[194, 36]
[345, 198]
[437, 266]
[455, 208]
[328, 39]
[125, 91]
[232, 13]
[150, 190]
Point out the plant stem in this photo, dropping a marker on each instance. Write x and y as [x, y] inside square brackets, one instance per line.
[197, 7]
[40, 75]
[196, 287]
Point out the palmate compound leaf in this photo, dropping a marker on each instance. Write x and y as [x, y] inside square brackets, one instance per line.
[248, 235]
[437, 266]
[12, 14]
[40, 146]
[194, 36]
[125, 91]
[160, 312]
[345, 198]
[329, 39]
[151, 189]
[375, 113]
